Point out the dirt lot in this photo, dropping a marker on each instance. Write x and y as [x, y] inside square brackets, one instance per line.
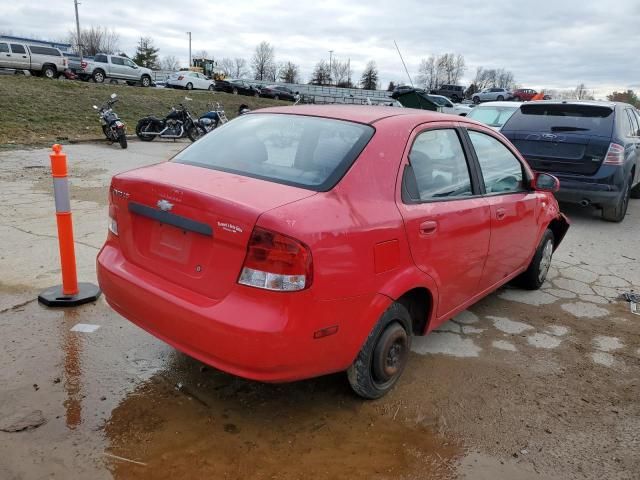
[525, 385]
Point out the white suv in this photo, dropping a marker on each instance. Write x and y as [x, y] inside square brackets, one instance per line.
[46, 61]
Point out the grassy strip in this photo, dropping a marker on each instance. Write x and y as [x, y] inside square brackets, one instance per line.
[36, 111]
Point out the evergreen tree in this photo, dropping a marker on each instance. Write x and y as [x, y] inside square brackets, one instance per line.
[146, 53]
[369, 79]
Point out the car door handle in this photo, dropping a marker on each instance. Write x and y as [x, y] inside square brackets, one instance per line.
[501, 213]
[428, 228]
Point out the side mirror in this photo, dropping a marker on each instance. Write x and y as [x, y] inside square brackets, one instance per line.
[545, 182]
[113, 95]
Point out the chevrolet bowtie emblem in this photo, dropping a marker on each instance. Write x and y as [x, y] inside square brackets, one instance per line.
[164, 205]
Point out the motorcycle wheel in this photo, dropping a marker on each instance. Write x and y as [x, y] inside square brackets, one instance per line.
[122, 140]
[141, 128]
[194, 133]
[105, 130]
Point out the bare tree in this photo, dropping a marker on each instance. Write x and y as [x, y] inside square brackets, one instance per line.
[582, 93]
[493, 77]
[95, 40]
[321, 74]
[289, 72]
[170, 63]
[227, 66]
[369, 79]
[428, 77]
[234, 67]
[438, 70]
[263, 62]
[341, 73]
[202, 54]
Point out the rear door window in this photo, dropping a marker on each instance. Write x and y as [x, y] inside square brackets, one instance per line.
[633, 123]
[302, 151]
[4, 48]
[45, 51]
[17, 48]
[117, 61]
[439, 166]
[561, 117]
[100, 59]
[501, 170]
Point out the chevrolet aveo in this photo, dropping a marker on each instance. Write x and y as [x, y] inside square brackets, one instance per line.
[300, 241]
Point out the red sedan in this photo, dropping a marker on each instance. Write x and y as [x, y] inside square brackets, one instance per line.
[299, 241]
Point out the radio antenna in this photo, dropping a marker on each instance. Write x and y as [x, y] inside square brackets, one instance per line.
[403, 64]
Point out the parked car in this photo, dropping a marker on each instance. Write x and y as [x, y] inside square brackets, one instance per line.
[592, 147]
[278, 92]
[285, 246]
[237, 87]
[494, 114]
[524, 94]
[492, 94]
[400, 89]
[105, 66]
[454, 92]
[449, 107]
[46, 61]
[189, 81]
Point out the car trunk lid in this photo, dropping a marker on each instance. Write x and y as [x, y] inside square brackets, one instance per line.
[191, 225]
[562, 138]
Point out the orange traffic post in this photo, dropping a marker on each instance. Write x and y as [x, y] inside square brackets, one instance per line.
[70, 293]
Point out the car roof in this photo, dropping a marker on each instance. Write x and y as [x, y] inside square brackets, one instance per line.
[356, 113]
[596, 103]
[499, 104]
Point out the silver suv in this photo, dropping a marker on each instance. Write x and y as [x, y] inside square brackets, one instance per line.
[105, 66]
[492, 95]
[46, 61]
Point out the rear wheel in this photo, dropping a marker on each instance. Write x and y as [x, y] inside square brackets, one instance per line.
[455, 98]
[617, 212]
[189, 86]
[130, 83]
[517, 99]
[49, 72]
[500, 98]
[476, 100]
[256, 93]
[122, 140]
[534, 276]
[276, 97]
[98, 76]
[212, 88]
[234, 91]
[194, 133]
[143, 129]
[384, 355]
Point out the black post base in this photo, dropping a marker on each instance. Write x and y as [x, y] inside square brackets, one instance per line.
[53, 297]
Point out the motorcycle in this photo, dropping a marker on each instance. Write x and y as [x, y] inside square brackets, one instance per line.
[177, 124]
[213, 118]
[112, 127]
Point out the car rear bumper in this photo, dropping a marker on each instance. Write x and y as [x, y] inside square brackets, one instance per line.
[585, 191]
[251, 333]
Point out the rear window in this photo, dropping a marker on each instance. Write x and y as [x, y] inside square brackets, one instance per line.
[542, 117]
[308, 152]
[492, 116]
[45, 51]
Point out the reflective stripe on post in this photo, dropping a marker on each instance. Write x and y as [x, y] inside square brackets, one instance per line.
[64, 221]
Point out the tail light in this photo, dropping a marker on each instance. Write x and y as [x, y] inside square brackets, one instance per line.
[276, 262]
[83, 65]
[113, 223]
[615, 155]
[180, 77]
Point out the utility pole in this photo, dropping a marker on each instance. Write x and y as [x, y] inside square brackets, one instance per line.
[78, 41]
[189, 33]
[349, 72]
[330, 69]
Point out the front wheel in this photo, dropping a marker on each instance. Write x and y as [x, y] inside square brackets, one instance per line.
[384, 355]
[534, 276]
[146, 81]
[455, 99]
[122, 140]
[189, 86]
[212, 88]
[194, 133]
[500, 98]
[476, 100]
[276, 97]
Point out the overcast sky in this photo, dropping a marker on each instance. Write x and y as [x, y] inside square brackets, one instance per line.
[548, 43]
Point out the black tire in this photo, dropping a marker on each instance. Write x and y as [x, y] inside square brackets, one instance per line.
[276, 97]
[517, 99]
[256, 94]
[194, 133]
[105, 130]
[234, 91]
[455, 99]
[122, 140]
[130, 83]
[140, 129]
[383, 356]
[534, 276]
[98, 76]
[49, 71]
[189, 86]
[500, 98]
[212, 88]
[145, 81]
[616, 213]
[476, 100]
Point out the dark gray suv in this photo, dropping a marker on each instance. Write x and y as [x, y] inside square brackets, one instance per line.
[592, 147]
[454, 92]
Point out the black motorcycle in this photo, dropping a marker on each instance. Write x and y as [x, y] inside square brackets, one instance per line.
[113, 128]
[177, 124]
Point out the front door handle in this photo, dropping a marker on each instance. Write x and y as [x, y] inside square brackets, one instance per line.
[428, 228]
[501, 213]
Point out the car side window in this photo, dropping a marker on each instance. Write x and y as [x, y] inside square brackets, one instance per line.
[501, 171]
[100, 59]
[117, 61]
[129, 63]
[633, 124]
[17, 48]
[439, 166]
[4, 48]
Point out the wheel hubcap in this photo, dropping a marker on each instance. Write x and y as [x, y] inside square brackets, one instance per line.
[545, 260]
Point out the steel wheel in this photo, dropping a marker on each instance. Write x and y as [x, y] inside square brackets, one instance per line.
[390, 355]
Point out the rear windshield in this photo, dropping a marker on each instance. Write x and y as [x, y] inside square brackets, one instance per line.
[492, 116]
[541, 117]
[308, 152]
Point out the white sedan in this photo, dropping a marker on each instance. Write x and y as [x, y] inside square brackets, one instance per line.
[447, 106]
[189, 81]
